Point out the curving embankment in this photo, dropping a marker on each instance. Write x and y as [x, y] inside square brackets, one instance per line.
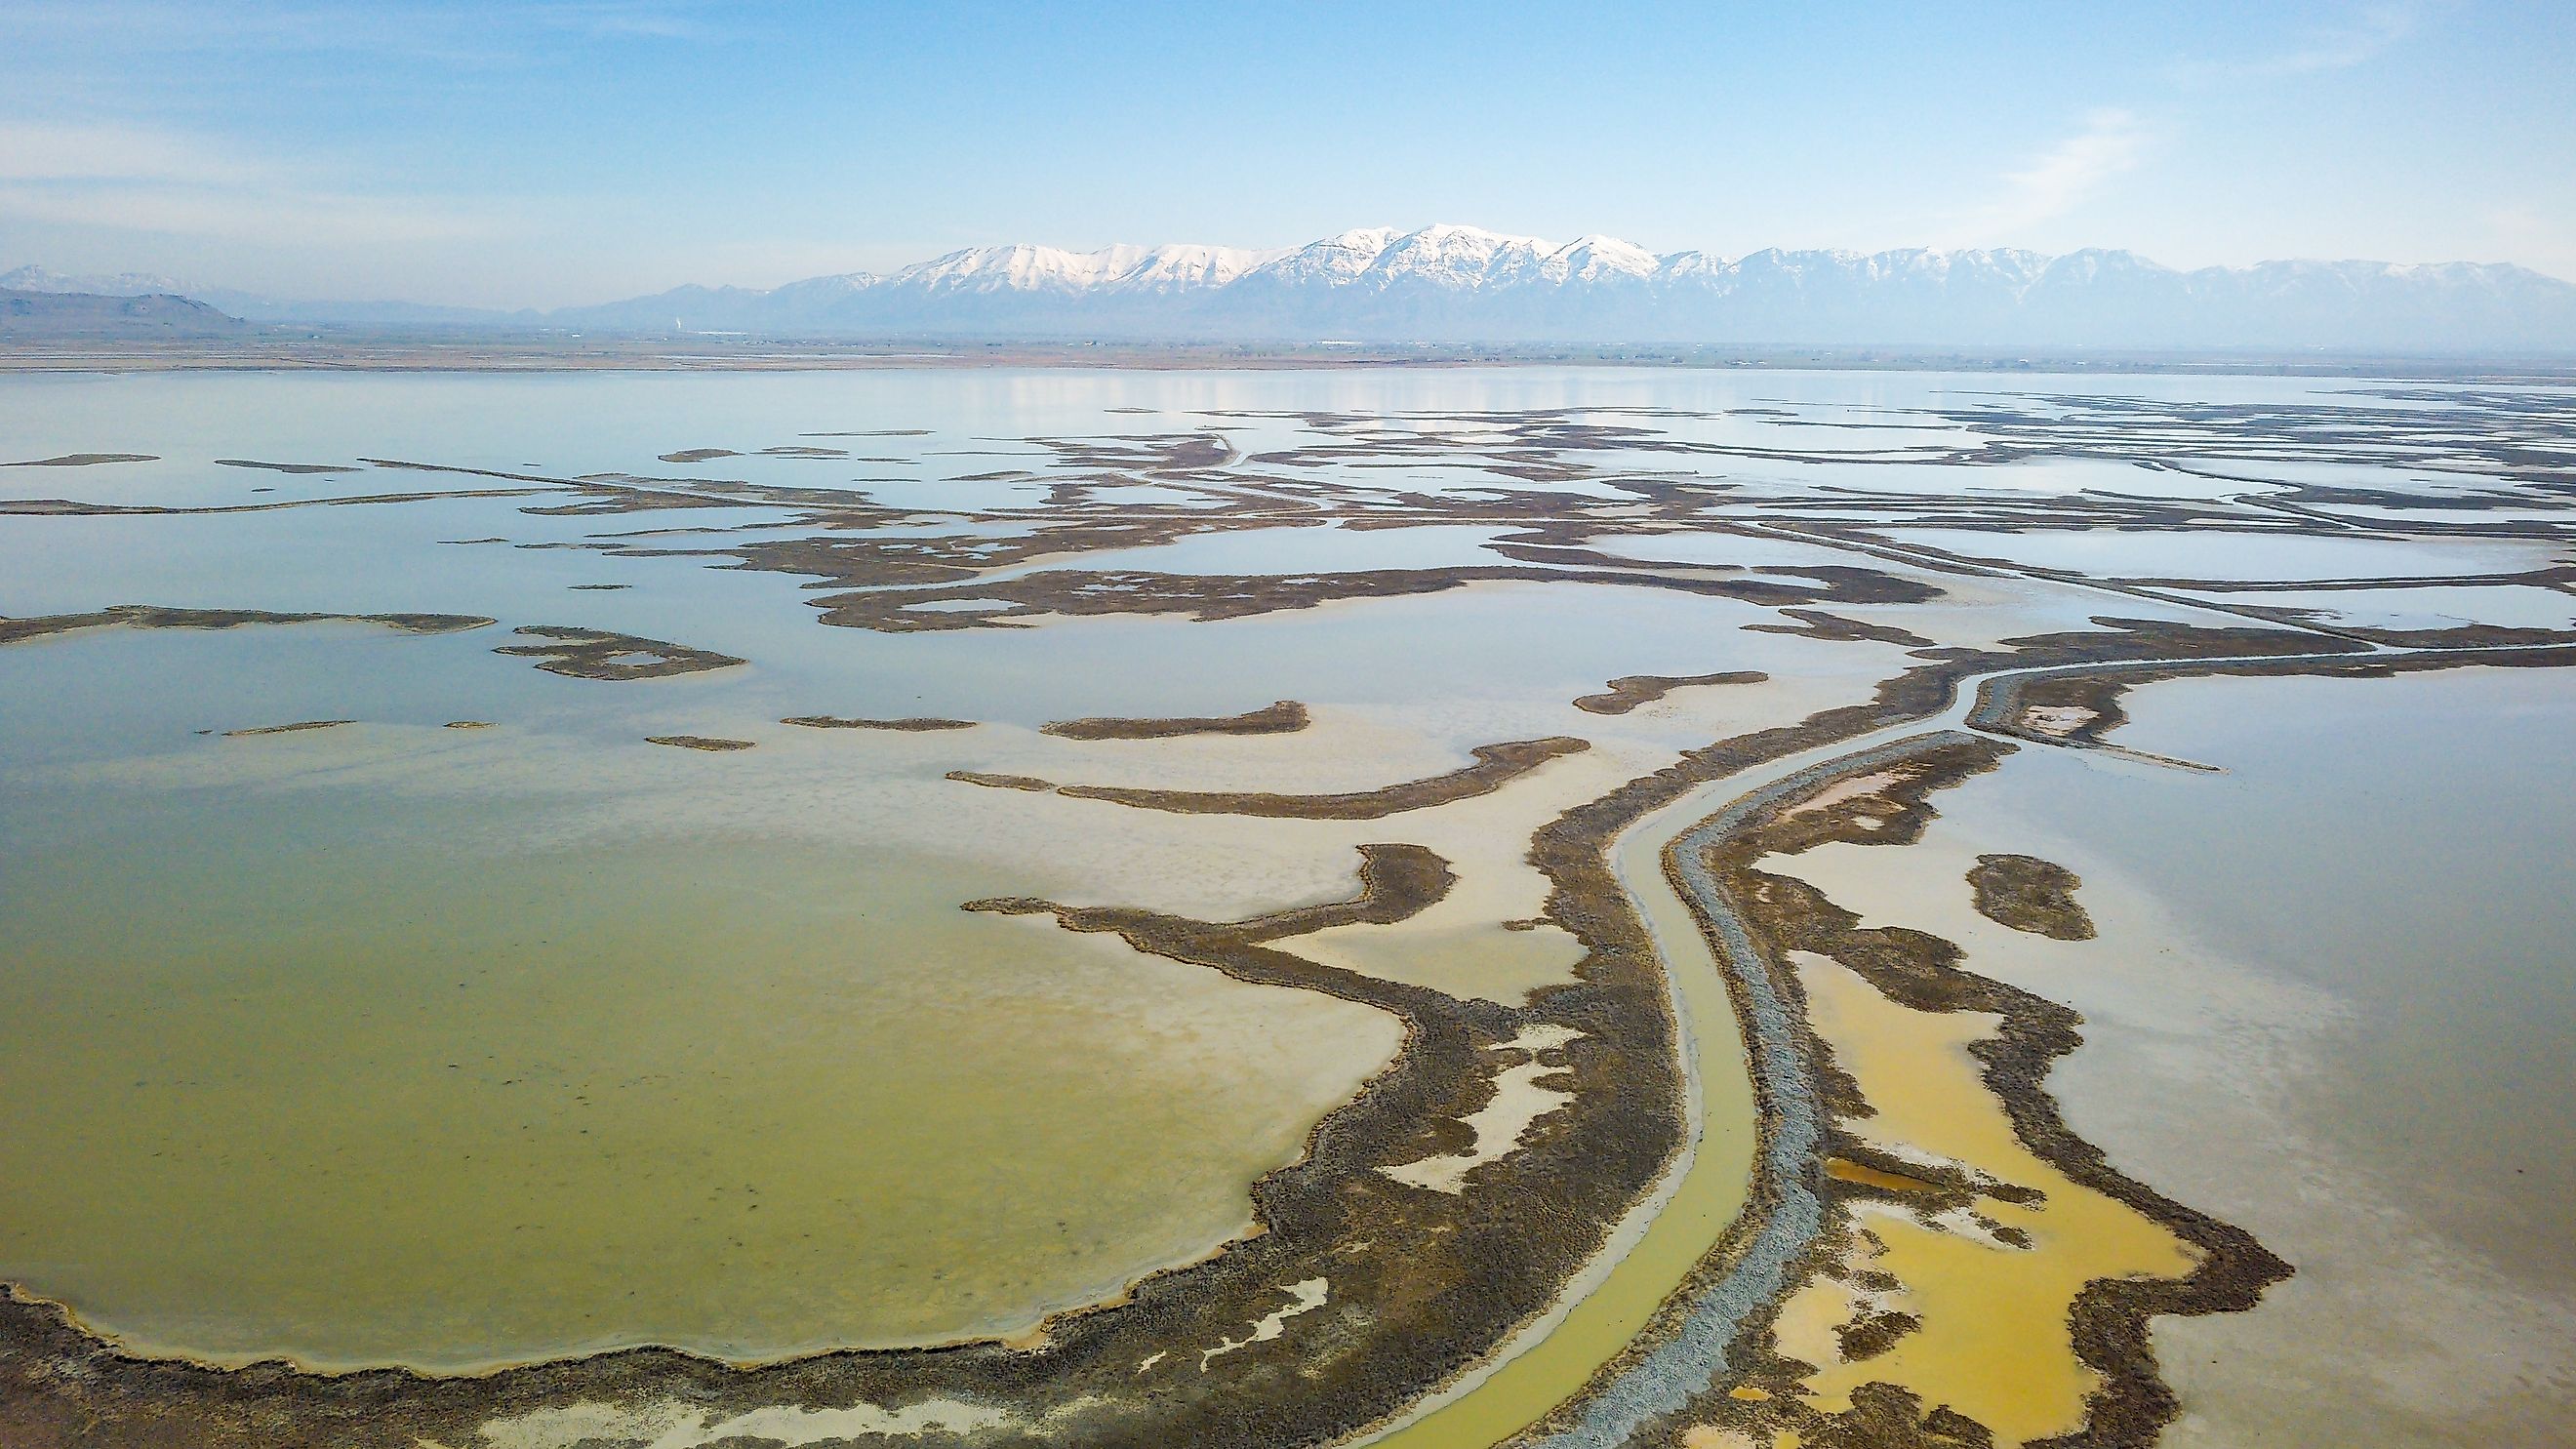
[1785, 1214]
[1743, 1265]
[1496, 766]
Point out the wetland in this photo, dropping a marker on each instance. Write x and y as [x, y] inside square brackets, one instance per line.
[1433, 907]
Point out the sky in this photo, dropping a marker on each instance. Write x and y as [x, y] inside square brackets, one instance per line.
[544, 154]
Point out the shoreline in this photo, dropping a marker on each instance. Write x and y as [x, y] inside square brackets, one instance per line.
[1421, 1304]
[1643, 1384]
[340, 349]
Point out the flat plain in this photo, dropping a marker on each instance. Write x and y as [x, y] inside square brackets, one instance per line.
[1437, 907]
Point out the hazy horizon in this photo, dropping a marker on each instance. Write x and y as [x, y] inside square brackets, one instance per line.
[570, 154]
[218, 286]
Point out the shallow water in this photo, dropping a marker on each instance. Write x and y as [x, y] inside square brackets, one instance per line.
[2405, 845]
[1994, 1341]
[367, 1075]
[2209, 554]
[2330, 985]
[672, 982]
[2438, 606]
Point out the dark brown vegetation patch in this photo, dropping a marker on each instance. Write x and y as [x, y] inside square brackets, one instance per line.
[1629, 691]
[1207, 597]
[1817, 624]
[151, 616]
[914, 725]
[993, 781]
[82, 460]
[599, 654]
[2030, 894]
[286, 467]
[1495, 766]
[287, 729]
[710, 743]
[1286, 716]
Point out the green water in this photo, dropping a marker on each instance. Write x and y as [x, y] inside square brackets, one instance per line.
[323, 1074]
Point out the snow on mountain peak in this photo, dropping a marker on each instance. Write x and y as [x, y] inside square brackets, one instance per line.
[1599, 259]
[1449, 282]
[1020, 267]
[1456, 256]
[1181, 265]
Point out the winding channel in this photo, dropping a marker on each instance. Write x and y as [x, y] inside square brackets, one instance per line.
[1751, 1133]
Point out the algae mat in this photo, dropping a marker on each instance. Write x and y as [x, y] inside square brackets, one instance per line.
[339, 1093]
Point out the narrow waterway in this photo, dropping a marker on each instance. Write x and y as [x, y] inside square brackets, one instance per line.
[1706, 1186]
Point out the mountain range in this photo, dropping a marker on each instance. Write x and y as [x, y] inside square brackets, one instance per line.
[27, 314]
[1466, 285]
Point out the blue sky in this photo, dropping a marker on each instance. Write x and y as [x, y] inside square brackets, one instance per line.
[549, 153]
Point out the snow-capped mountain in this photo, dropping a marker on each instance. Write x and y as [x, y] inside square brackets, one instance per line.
[1331, 262]
[1593, 260]
[1465, 284]
[1111, 270]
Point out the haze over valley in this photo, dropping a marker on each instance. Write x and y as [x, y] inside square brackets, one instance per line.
[1464, 284]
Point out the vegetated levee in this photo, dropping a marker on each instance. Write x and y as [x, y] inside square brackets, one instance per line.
[1407, 1282]
[1361, 1292]
[1770, 1392]
[1712, 1371]
[1495, 766]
